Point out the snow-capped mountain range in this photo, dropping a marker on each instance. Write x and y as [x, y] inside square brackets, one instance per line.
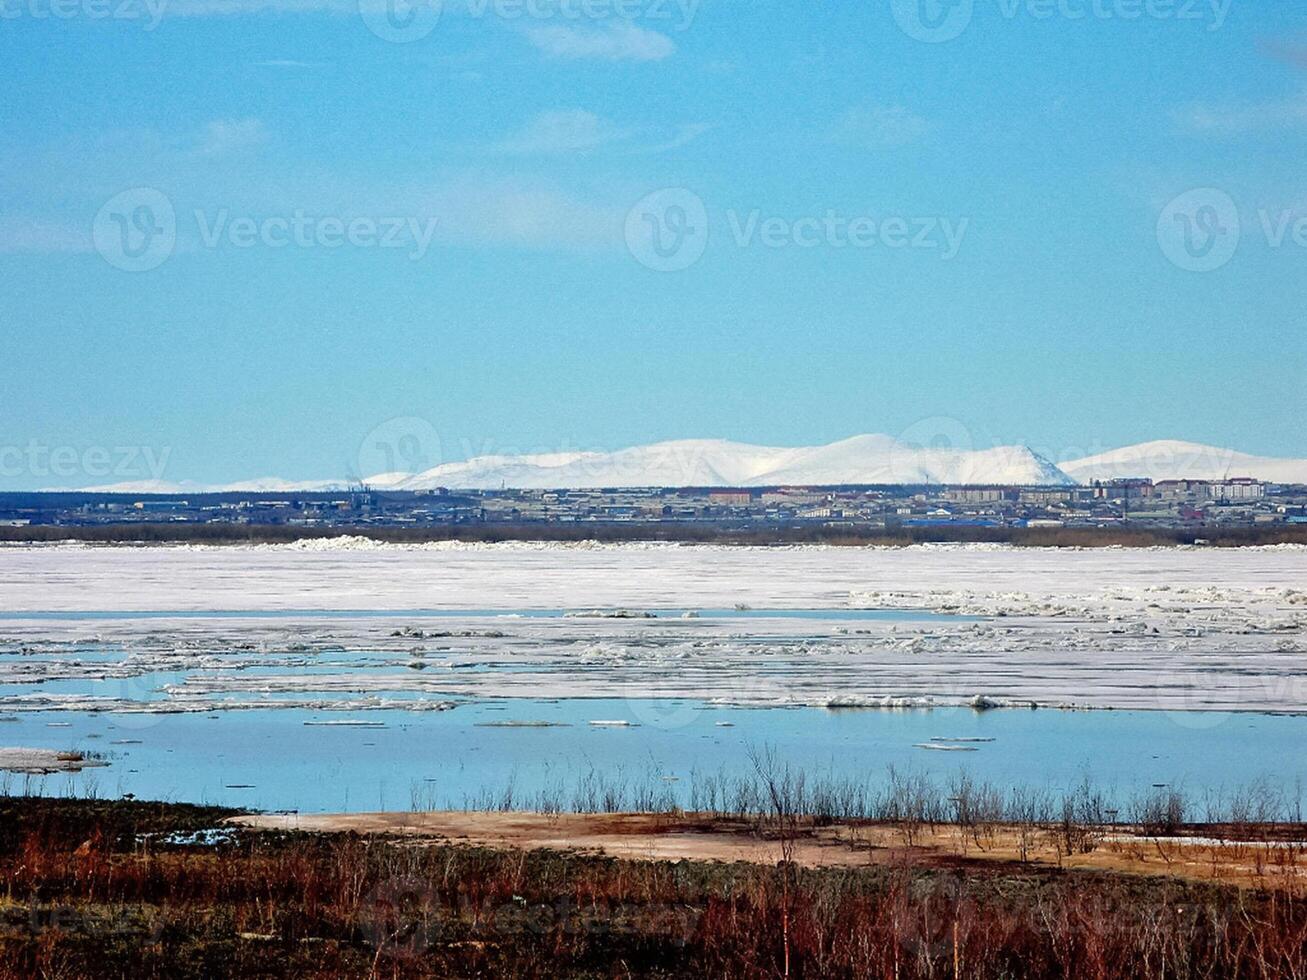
[869, 459]
[1171, 459]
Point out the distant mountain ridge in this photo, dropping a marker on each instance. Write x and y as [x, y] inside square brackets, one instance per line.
[867, 459]
[717, 463]
[1172, 459]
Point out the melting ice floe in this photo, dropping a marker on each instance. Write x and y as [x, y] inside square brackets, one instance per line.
[1180, 629]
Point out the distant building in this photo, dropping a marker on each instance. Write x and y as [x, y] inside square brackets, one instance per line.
[792, 497]
[815, 513]
[730, 498]
[1240, 488]
[1126, 490]
[975, 495]
[1181, 489]
[1044, 498]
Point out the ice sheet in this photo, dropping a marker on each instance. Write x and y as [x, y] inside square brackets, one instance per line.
[1172, 628]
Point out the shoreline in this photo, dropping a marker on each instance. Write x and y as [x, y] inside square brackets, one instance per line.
[11, 710]
[1195, 852]
[1136, 535]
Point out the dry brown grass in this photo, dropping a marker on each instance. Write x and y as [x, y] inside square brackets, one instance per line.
[89, 892]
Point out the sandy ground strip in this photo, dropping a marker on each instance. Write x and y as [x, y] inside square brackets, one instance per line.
[1279, 863]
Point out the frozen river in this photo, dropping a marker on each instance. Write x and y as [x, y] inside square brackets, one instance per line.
[226, 673]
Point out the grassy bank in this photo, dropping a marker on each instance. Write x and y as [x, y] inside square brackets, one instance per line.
[106, 889]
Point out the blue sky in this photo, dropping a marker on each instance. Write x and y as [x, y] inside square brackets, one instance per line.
[1020, 193]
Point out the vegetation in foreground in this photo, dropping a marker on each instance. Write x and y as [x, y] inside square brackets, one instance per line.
[113, 889]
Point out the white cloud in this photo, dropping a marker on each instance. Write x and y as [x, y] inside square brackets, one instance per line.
[1197, 119]
[562, 131]
[878, 127]
[229, 135]
[58, 189]
[476, 210]
[683, 135]
[615, 42]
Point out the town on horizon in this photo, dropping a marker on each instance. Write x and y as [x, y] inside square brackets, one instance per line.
[1236, 502]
